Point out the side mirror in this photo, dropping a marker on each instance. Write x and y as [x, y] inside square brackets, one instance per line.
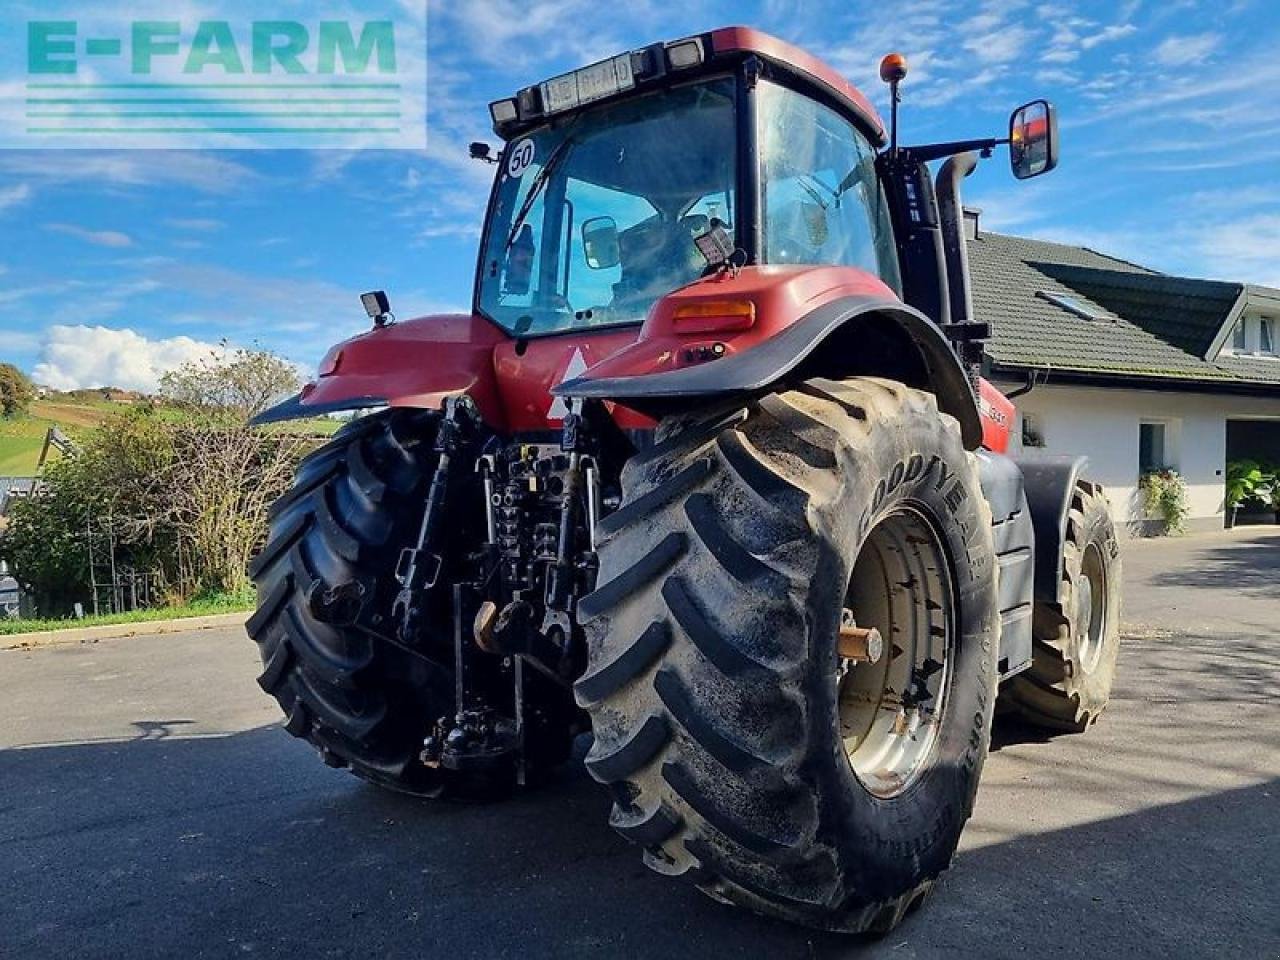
[518, 276]
[1033, 139]
[600, 243]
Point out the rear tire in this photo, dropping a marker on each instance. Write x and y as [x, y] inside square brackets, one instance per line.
[712, 676]
[344, 685]
[1077, 641]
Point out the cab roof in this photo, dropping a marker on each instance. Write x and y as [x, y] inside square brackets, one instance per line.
[710, 52]
[749, 40]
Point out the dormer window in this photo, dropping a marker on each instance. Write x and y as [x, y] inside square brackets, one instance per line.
[1254, 336]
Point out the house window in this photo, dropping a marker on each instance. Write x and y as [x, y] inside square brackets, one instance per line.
[1151, 447]
[1254, 335]
[1239, 337]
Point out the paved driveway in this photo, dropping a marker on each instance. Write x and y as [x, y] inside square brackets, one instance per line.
[149, 807]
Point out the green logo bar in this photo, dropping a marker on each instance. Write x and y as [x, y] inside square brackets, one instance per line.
[243, 79]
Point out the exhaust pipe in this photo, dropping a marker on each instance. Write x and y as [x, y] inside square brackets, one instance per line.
[951, 217]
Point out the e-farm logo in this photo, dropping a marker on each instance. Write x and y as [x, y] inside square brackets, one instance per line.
[238, 80]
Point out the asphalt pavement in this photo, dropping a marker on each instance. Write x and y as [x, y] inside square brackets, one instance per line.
[150, 806]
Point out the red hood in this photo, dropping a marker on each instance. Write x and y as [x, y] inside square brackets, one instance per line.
[420, 362]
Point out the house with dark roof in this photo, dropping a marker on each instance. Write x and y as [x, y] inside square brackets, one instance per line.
[1139, 370]
[14, 487]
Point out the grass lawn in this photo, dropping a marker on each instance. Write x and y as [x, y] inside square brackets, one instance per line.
[22, 439]
[9, 627]
[19, 451]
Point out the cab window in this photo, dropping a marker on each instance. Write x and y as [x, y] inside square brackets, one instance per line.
[823, 203]
[594, 216]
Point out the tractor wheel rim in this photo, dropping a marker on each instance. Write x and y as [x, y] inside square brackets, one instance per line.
[1091, 609]
[891, 710]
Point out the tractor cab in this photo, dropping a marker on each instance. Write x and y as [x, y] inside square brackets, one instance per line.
[613, 176]
[632, 178]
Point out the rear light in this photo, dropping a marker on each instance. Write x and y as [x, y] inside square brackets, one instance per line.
[715, 316]
[684, 54]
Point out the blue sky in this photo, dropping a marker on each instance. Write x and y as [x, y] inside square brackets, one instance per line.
[114, 264]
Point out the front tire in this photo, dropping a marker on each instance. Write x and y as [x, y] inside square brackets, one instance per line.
[1077, 641]
[345, 687]
[714, 680]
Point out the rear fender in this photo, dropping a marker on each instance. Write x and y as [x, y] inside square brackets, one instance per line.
[825, 340]
[1049, 481]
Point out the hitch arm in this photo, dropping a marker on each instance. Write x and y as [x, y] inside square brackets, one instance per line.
[418, 568]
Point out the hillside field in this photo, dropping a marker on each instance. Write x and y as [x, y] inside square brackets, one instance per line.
[22, 439]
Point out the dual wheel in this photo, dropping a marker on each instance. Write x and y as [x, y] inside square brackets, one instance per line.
[752, 738]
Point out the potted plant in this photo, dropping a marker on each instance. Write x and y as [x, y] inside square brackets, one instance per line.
[1165, 498]
[1269, 490]
[1244, 478]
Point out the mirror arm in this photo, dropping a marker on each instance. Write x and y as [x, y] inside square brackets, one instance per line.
[936, 151]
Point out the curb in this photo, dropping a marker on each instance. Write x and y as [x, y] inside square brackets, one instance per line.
[49, 638]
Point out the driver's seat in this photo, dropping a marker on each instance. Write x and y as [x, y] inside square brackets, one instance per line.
[656, 256]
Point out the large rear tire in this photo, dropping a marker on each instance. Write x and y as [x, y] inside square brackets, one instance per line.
[1077, 641]
[326, 585]
[715, 684]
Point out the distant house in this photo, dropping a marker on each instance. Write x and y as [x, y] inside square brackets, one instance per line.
[116, 395]
[1139, 370]
[14, 487]
[10, 594]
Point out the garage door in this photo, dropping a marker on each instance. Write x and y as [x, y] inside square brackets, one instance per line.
[1254, 440]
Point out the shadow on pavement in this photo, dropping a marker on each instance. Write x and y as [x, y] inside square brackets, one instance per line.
[1250, 566]
[244, 844]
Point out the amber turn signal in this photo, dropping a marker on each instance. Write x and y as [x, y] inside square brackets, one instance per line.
[715, 316]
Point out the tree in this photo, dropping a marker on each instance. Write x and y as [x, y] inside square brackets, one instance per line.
[184, 486]
[243, 383]
[116, 478]
[227, 474]
[16, 391]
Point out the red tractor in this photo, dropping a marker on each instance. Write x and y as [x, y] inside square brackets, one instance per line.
[710, 472]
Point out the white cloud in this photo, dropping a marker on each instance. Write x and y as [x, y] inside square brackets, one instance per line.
[1061, 55]
[1007, 210]
[1057, 77]
[1179, 51]
[1107, 34]
[101, 238]
[204, 173]
[1165, 97]
[79, 357]
[1001, 45]
[13, 196]
[509, 32]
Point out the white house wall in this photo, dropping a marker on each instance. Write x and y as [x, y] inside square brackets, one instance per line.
[1103, 424]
